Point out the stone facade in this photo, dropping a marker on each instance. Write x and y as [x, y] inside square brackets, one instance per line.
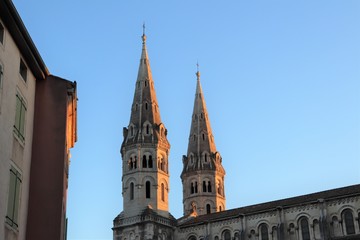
[332, 214]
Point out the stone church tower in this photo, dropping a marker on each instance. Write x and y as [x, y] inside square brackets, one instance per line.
[145, 165]
[203, 174]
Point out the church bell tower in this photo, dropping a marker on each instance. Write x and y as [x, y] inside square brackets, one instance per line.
[203, 174]
[145, 164]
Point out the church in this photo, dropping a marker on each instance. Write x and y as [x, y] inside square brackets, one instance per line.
[331, 214]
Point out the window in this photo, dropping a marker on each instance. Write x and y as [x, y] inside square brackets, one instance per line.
[209, 186]
[192, 238]
[13, 198]
[264, 233]
[208, 209]
[23, 70]
[2, 31]
[349, 222]
[227, 235]
[147, 189]
[131, 191]
[162, 192]
[144, 163]
[147, 129]
[150, 162]
[304, 228]
[19, 126]
[204, 186]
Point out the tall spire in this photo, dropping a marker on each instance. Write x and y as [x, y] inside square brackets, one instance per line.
[203, 173]
[145, 105]
[145, 147]
[145, 164]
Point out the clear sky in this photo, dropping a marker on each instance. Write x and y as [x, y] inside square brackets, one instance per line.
[281, 80]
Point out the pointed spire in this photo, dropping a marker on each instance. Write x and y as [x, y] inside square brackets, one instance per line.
[145, 107]
[201, 138]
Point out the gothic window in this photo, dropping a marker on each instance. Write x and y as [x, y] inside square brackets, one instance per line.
[145, 83]
[204, 186]
[162, 192]
[131, 191]
[304, 229]
[144, 163]
[208, 208]
[147, 189]
[205, 157]
[203, 136]
[227, 235]
[264, 232]
[147, 129]
[150, 162]
[209, 186]
[196, 187]
[146, 106]
[347, 217]
[192, 190]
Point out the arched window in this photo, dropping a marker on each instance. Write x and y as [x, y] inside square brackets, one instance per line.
[146, 106]
[147, 189]
[203, 136]
[209, 186]
[162, 192]
[131, 163]
[147, 129]
[196, 187]
[192, 238]
[131, 191]
[135, 162]
[204, 186]
[144, 163]
[150, 162]
[227, 235]
[348, 218]
[304, 229]
[236, 236]
[192, 189]
[208, 208]
[205, 157]
[264, 232]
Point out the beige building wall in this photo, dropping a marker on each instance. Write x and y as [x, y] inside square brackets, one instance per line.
[14, 152]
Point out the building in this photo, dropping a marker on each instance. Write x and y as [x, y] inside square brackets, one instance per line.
[331, 214]
[37, 129]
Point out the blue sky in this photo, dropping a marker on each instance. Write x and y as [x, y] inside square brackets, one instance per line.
[281, 80]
